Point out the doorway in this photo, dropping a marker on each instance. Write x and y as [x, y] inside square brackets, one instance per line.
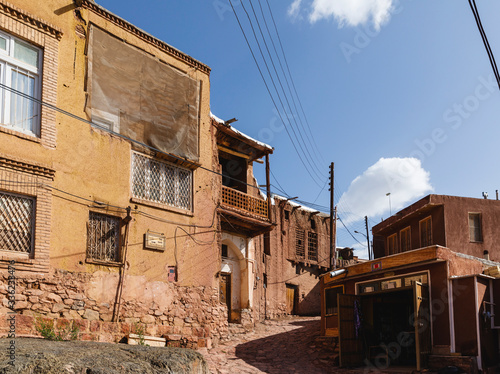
[389, 327]
[225, 292]
[291, 298]
[389, 331]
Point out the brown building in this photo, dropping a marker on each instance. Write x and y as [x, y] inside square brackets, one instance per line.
[299, 252]
[419, 303]
[463, 224]
[113, 207]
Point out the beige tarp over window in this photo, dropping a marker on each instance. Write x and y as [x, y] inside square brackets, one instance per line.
[141, 97]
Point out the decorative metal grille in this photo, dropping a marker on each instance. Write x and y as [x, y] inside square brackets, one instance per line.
[103, 237]
[17, 214]
[312, 246]
[300, 250]
[161, 182]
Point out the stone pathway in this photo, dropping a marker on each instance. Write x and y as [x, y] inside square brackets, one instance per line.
[276, 346]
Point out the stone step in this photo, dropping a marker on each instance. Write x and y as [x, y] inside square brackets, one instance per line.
[236, 328]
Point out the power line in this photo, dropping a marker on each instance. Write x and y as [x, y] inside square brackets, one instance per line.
[342, 222]
[284, 75]
[273, 83]
[62, 111]
[291, 78]
[475, 12]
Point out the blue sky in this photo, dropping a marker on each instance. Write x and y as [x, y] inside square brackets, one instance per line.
[399, 94]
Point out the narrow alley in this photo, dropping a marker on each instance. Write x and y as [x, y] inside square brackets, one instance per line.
[276, 346]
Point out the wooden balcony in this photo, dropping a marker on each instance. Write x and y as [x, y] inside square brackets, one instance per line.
[244, 203]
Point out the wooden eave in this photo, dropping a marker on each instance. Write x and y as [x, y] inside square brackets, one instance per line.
[413, 258]
[236, 142]
[233, 221]
[120, 22]
[401, 219]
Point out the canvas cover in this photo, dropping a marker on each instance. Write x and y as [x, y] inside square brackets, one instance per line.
[141, 97]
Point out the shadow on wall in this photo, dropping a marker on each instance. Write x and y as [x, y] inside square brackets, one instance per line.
[289, 352]
[310, 305]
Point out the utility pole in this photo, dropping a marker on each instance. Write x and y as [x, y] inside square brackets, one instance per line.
[368, 238]
[333, 257]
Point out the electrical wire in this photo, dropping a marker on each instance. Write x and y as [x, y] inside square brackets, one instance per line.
[314, 165]
[62, 111]
[342, 222]
[291, 79]
[475, 12]
[269, 92]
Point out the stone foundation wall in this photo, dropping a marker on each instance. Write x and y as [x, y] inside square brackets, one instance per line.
[192, 318]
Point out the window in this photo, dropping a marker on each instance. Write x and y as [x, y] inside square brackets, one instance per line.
[161, 182]
[475, 232]
[312, 246]
[331, 300]
[299, 243]
[287, 215]
[426, 232]
[405, 239]
[16, 222]
[224, 250]
[20, 68]
[392, 244]
[103, 238]
[313, 224]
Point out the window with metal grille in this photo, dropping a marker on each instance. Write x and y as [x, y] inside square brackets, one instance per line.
[475, 231]
[300, 249]
[20, 68]
[426, 232]
[17, 215]
[161, 182]
[405, 239]
[103, 238]
[312, 246]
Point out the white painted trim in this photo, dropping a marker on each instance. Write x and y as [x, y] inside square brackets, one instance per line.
[452, 316]
[478, 331]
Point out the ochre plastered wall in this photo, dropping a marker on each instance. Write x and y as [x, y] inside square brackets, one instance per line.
[86, 165]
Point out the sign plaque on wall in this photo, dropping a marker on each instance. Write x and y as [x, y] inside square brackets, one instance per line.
[153, 240]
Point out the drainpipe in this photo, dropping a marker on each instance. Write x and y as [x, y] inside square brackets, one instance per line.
[118, 299]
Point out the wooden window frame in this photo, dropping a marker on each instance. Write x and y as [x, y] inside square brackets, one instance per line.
[478, 214]
[408, 239]
[326, 290]
[426, 219]
[394, 238]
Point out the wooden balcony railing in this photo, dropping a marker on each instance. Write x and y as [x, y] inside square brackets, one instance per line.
[242, 201]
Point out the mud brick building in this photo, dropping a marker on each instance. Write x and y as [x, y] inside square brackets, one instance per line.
[429, 298]
[113, 211]
[124, 201]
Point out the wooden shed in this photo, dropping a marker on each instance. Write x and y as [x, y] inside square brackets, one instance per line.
[429, 307]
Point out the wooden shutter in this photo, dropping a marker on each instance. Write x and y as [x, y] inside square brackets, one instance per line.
[422, 322]
[350, 346]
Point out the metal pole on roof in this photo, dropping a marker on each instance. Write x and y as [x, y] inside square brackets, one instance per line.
[333, 259]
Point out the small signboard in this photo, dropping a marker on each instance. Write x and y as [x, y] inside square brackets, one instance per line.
[377, 266]
[154, 241]
[171, 274]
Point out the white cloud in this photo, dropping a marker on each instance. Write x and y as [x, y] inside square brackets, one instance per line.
[404, 178]
[294, 9]
[347, 12]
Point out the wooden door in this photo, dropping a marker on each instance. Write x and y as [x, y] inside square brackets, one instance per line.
[291, 294]
[225, 292]
[422, 323]
[350, 334]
